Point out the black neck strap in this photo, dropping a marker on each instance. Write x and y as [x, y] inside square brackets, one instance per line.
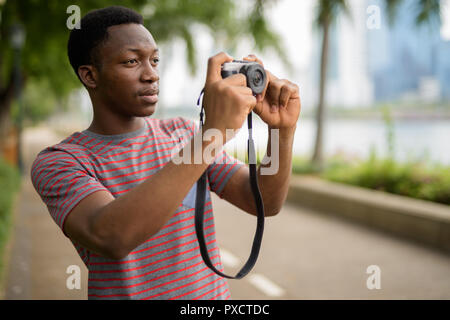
[200, 205]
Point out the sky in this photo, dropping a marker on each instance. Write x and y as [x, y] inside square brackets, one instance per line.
[293, 21]
[290, 18]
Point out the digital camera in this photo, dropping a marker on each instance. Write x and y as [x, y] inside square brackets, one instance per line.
[253, 71]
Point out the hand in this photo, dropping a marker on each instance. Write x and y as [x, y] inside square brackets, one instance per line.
[227, 101]
[279, 104]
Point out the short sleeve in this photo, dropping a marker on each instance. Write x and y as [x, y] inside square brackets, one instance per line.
[62, 182]
[221, 170]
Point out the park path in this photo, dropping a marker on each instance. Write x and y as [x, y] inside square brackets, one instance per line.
[39, 252]
[305, 255]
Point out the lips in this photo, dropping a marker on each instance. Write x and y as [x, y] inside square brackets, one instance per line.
[149, 95]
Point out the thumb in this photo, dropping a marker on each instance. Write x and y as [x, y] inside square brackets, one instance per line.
[214, 66]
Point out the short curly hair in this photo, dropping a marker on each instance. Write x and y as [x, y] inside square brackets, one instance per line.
[83, 42]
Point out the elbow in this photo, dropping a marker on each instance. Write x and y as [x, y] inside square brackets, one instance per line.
[114, 253]
[274, 209]
[112, 246]
[273, 212]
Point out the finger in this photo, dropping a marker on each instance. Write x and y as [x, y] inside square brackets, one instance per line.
[214, 66]
[270, 78]
[250, 102]
[244, 90]
[285, 94]
[274, 91]
[252, 57]
[236, 80]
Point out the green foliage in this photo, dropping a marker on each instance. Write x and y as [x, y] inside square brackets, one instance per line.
[302, 165]
[425, 10]
[9, 183]
[44, 57]
[412, 179]
[329, 10]
[39, 102]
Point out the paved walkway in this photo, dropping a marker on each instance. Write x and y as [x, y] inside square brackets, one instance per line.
[305, 255]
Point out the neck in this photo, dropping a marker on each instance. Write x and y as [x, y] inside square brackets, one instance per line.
[106, 122]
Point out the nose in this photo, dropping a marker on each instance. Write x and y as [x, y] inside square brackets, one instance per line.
[149, 73]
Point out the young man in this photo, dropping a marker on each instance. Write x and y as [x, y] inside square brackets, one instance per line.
[114, 188]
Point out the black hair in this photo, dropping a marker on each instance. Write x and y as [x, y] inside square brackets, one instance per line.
[83, 42]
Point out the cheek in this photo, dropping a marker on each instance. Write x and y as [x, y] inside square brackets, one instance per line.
[121, 84]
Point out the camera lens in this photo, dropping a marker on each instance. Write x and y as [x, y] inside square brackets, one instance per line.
[257, 78]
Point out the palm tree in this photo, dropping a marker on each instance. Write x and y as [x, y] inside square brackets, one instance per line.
[427, 10]
[328, 10]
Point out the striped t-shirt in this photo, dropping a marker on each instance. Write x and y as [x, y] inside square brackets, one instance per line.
[166, 266]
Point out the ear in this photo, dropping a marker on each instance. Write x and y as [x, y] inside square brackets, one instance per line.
[89, 75]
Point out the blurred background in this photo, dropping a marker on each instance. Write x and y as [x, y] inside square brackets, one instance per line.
[374, 78]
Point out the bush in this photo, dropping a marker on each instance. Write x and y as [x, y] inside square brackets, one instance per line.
[412, 179]
[9, 184]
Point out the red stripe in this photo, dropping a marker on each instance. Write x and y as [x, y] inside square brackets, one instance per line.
[208, 292]
[218, 173]
[61, 145]
[135, 172]
[149, 280]
[149, 264]
[195, 290]
[168, 233]
[133, 165]
[185, 285]
[144, 274]
[215, 297]
[63, 211]
[148, 256]
[157, 286]
[224, 176]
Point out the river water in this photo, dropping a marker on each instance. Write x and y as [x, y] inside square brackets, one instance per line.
[427, 140]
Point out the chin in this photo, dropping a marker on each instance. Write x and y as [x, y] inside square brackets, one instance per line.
[147, 111]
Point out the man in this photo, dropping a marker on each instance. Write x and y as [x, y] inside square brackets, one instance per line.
[114, 188]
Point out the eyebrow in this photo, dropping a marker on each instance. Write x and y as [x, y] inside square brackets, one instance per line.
[139, 50]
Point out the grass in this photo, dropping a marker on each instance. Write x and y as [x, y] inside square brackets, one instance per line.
[412, 179]
[9, 184]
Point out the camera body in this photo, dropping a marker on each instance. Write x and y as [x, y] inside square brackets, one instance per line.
[253, 71]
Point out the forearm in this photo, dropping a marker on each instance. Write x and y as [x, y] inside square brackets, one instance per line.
[274, 187]
[134, 217]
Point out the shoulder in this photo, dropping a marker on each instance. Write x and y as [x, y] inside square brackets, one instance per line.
[178, 123]
[175, 127]
[65, 154]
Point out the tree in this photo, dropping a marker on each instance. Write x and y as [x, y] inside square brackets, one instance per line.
[328, 11]
[44, 58]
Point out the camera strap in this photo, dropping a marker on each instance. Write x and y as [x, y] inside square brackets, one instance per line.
[200, 205]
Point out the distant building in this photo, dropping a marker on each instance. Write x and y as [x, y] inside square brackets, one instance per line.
[349, 83]
[408, 62]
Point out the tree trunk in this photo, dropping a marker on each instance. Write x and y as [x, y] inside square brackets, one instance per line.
[317, 159]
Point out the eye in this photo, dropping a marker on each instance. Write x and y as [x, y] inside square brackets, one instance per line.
[130, 62]
[155, 60]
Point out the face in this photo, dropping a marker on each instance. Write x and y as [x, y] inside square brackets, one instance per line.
[128, 81]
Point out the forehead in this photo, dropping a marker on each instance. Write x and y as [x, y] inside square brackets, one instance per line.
[125, 36]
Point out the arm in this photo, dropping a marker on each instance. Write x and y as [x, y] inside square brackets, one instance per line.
[274, 188]
[114, 227]
[279, 107]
